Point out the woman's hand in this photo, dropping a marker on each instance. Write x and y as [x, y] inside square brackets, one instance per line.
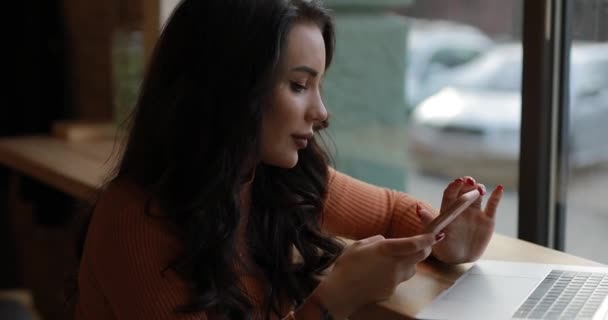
[369, 270]
[469, 234]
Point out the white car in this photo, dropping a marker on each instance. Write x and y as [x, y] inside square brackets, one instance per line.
[472, 126]
[435, 47]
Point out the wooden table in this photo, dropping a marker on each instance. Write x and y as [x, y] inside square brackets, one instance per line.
[78, 168]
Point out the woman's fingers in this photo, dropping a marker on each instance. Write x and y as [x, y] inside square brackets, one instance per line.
[469, 184]
[470, 181]
[407, 252]
[407, 272]
[390, 261]
[482, 191]
[458, 187]
[425, 215]
[369, 240]
[399, 247]
[493, 201]
[452, 191]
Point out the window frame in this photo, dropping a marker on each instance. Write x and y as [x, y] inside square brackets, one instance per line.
[543, 169]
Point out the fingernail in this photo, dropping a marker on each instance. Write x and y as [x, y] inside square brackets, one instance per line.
[481, 191]
[458, 180]
[500, 187]
[470, 181]
[440, 236]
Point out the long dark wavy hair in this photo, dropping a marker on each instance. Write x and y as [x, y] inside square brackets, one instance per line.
[196, 128]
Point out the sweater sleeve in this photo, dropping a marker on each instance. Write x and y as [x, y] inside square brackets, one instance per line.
[356, 210]
[125, 253]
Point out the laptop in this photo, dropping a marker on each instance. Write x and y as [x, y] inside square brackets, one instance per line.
[514, 290]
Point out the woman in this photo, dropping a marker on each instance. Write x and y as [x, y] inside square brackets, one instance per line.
[224, 206]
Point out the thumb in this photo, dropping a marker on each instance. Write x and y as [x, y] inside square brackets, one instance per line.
[425, 215]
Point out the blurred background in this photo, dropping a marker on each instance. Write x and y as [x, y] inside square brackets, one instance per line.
[420, 92]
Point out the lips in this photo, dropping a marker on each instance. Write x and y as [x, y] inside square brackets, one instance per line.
[301, 140]
[306, 136]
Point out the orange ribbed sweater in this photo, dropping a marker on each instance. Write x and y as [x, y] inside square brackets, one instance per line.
[125, 251]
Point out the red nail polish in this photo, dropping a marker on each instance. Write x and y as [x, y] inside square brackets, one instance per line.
[459, 180]
[470, 182]
[440, 236]
[481, 191]
[500, 187]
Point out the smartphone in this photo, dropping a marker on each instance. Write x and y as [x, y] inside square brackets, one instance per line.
[447, 216]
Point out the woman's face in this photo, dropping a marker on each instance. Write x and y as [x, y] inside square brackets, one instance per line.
[295, 102]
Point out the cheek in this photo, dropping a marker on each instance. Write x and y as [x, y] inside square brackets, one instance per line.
[280, 121]
[284, 113]
[272, 129]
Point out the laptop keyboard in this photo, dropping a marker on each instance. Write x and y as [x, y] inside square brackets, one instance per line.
[565, 295]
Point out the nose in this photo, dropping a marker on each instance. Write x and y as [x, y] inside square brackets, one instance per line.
[316, 111]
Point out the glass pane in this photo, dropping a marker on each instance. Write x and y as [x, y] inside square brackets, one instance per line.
[423, 92]
[587, 210]
[463, 79]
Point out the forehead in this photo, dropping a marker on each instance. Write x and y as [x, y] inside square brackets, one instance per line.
[305, 46]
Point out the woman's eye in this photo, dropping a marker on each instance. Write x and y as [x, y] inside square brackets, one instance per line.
[296, 87]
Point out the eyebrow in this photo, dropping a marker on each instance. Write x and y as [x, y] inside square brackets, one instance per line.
[306, 69]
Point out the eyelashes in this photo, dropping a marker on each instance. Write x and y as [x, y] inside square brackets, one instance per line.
[299, 88]
[296, 87]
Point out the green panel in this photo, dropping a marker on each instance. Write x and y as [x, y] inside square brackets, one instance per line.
[365, 4]
[368, 71]
[364, 93]
[376, 173]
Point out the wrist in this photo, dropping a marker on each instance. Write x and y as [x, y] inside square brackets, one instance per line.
[332, 301]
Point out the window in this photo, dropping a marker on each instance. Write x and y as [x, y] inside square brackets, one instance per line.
[587, 186]
[463, 85]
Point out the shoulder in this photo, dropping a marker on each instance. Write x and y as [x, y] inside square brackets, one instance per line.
[126, 221]
[121, 192]
[121, 205]
[127, 252]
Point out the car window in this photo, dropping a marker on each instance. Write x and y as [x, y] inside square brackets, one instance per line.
[498, 70]
[451, 57]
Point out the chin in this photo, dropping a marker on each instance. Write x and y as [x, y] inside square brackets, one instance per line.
[290, 163]
[285, 162]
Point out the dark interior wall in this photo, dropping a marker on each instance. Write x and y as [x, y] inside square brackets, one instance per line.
[36, 94]
[9, 274]
[59, 54]
[90, 26]
[58, 67]
[503, 19]
[498, 18]
[38, 67]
